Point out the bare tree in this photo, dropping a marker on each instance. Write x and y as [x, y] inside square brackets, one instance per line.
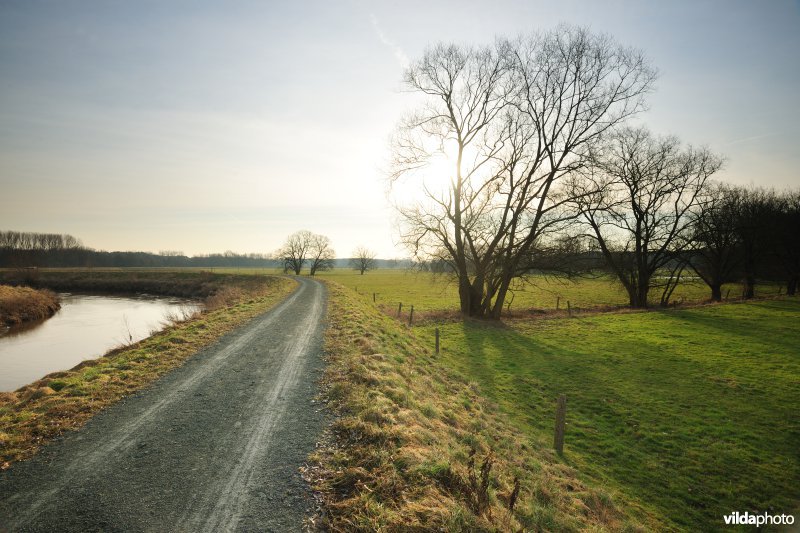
[320, 253]
[294, 251]
[716, 256]
[363, 259]
[510, 121]
[636, 199]
[755, 227]
[787, 231]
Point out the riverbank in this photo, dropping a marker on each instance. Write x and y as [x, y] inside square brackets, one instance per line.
[62, 401]
[24, 304]
[183, 284]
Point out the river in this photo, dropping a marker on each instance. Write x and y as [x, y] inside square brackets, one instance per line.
[86, 327]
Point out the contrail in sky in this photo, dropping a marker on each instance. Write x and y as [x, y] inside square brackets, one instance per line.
[399, 54]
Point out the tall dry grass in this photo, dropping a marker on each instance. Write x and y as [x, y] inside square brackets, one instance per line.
[23, 304]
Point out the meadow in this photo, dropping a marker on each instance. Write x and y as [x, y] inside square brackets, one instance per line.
[428, 292]
[691, 412]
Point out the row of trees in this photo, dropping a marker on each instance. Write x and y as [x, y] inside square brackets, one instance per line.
[742, 234]
[20, 240]
[305, 248]
[25, 249]
[545, 173]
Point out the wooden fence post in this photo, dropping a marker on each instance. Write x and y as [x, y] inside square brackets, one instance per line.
[728, 294]
[561, 419]
[411, 316]
[569, 309]
[373, 297]
[399, 309]
[437, 340]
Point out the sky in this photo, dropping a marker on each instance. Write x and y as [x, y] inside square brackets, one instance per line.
[213, 126]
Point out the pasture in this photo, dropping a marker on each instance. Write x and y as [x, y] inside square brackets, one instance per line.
[428, 292]
[689, 411]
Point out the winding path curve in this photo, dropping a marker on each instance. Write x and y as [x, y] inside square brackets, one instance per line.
[214, 445]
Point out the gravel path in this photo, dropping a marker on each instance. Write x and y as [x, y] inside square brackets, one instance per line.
[214, 445]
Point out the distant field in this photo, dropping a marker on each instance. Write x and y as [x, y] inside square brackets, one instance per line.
[692, 412]
[427, 292]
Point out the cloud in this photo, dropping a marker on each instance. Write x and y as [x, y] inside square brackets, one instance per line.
[398, 52]
[753, 138]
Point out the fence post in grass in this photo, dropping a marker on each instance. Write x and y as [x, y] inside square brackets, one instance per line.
[411, 316]
[399, 309]
[558, 302]
[561, 419]
[373, 297]
[437, 341]
[569, 309]
[728, 295]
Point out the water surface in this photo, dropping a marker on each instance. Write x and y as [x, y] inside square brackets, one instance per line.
[86, 327]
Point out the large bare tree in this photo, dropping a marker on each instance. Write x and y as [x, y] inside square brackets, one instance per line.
[510, 121]
[305, 247]
[294, 251]
[636, 198]
[363, 260]
[320, 254]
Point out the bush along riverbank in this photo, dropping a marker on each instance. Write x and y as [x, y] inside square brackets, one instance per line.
[62, 401]
[24, 304]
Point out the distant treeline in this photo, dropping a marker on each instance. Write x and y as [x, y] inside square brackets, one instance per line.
[50, 250]
[22, 249]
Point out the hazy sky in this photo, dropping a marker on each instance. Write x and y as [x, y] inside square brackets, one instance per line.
[213, 126]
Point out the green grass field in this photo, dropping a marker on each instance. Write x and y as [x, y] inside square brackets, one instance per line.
[427, 292]
[692, 412]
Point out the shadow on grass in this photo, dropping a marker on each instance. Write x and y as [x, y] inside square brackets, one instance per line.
[656, 406]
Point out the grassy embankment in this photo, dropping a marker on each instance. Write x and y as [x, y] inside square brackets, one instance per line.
[23, 304]
[66, 400]
[690, 413]
[416, 447]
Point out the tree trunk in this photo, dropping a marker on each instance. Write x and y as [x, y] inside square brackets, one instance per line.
[464, 292]
[497, 309]
[749, 287]
[791, 287]
[637, 293]
[716, 292]
[472, 296]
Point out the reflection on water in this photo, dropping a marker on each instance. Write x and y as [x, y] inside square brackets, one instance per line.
[86, 327]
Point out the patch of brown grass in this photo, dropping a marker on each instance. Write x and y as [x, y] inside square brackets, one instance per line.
[414, 447]
[23, 304]
[62, 401]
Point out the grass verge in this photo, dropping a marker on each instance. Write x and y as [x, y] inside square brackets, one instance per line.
[64, 401]
[416, 447]
[23, 304]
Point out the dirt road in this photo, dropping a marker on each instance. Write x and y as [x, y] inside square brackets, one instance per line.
[213, 446]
